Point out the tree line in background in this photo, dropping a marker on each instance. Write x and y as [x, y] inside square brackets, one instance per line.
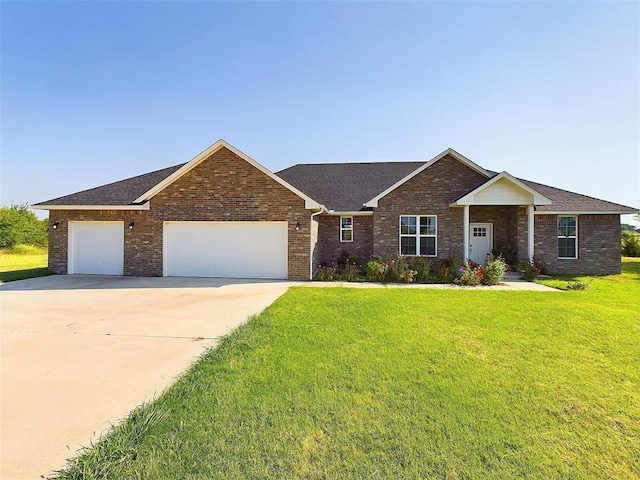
[20, 226]
[630, 241]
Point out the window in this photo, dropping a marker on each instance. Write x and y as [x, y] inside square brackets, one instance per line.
[346, 229]
[568, 237]
[418, 235]
[479, 231]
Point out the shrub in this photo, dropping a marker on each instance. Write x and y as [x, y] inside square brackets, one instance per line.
[494, 270]
[351, 272]
[577, 285]
[374, 271]
[423, 268]
[630, 244]
[530, 272]
[395, 270]
[401, 269]
[540, 266]
[470, 275]
[326, 273]
[446, 271]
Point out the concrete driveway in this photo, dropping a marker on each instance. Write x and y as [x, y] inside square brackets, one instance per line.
[79, 352]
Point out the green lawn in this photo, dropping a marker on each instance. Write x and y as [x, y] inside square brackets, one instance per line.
[403, 383]
[22, 262]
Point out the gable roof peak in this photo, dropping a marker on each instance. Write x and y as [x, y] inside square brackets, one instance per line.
[206, 153]
[373, 203]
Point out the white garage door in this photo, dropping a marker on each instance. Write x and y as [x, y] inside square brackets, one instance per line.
[225, 249]
[96, 247]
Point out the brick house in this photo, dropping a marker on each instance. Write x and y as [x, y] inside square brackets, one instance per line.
[222, 214]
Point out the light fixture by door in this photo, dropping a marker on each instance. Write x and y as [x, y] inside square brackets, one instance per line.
[131, 225]
[55, 225]
[297, 226]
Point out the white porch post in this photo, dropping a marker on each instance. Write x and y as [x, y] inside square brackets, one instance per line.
[530, 237]
[465, 235]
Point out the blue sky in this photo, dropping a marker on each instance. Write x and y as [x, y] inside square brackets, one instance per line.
[94, 92]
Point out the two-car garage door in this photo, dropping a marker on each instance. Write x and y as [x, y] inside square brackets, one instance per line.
[225, 249]
[191, 249]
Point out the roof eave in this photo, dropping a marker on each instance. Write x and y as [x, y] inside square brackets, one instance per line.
[587, 212]
[350, 213]
[142, 206]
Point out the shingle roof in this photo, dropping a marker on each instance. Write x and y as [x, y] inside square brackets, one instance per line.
[342, 187]
[123, 192]
[345, 187]
[570, 202]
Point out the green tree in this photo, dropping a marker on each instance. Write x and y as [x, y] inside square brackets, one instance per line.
[19, 225]
[630, 244]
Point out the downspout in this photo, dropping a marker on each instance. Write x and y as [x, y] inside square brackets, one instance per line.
[322, 210]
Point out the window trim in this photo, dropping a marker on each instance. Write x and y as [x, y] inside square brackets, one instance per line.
[417, 235]
[348, 229]
[575, 237]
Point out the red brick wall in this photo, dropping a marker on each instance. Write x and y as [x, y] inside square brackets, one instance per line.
[509, 225]
[138, 243]
[428, 193]
[330, 247]
[223, 187]
[598, 245]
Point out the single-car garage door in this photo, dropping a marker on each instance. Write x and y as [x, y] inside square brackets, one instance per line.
[225, 249]
[96, 247]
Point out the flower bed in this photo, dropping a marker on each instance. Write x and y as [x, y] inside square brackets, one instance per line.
[404, 269]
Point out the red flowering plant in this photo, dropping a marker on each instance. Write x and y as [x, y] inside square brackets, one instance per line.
[470, 275]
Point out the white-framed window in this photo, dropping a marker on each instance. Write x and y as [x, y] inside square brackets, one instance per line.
[418, 235]
[346, 229]
[568, 236]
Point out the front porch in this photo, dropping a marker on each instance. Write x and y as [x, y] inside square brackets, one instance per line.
[500, 228]
[499, 215]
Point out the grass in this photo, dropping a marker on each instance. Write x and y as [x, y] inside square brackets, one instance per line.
[397, 383]
[21, 262]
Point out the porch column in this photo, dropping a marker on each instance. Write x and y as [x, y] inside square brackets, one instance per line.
[530, 238]
[465, 234]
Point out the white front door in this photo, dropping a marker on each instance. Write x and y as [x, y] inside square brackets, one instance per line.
[480, 242]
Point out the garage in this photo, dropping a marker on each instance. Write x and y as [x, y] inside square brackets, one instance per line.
[96, 248]
[225, 249]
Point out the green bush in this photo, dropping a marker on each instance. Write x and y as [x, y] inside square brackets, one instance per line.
[19, 225]
[630, 244]
[577, 285]
[326, 273]
[399, 269]
[423, 268]
[530, 272]
[494, 270]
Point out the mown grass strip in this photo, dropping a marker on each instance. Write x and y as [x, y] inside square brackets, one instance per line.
[22, 262]
[399, 383]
